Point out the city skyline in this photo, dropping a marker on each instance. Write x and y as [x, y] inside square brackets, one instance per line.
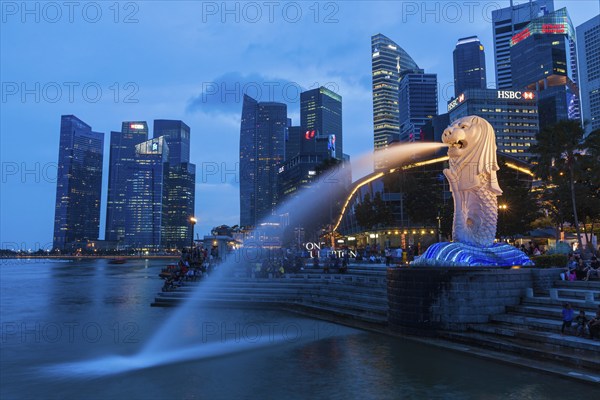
[171, 91]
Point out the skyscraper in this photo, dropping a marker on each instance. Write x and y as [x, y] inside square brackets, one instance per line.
[544, 59]
[321, 113]
[120, 169]
[388, 63]
[177, 135]
[145, 210]
[78, 183]
[418, 103]
[153, 174]
[180, 183]
[262, 147]
[588, 43]
[506, 22]
[469, 65]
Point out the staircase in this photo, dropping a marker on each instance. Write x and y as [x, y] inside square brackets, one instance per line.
[532, 328]
[360, 294]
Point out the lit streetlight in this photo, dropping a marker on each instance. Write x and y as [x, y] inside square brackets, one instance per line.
[193, 221]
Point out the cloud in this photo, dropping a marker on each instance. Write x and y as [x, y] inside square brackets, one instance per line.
[225, 94]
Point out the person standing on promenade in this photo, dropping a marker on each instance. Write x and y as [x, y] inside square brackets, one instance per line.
[567, 316]
[581, 322]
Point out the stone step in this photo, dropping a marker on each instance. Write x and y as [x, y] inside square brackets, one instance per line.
[571, 293]
[550, 341]
[576, 304]
[523, 348]
[536, 323]
[541, 311]
[362, 315]
[594, 285]
[345, 299]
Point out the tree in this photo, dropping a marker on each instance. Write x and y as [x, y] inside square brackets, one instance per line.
[518, 206]
[561, 152]
[364, 213]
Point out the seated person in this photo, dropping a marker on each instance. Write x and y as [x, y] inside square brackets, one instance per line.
[594, 326]
[593, 269]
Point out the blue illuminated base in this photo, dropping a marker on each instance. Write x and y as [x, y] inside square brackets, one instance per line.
[457, 254]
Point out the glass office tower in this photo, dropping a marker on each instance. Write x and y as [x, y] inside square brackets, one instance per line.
[180, 183]
[544, 59]
[469, 65]
[588, 51]
[506, 22]
[263, 131]
[388, 62]
[78, 183]
[120, 168]
[321, 113]
[145, 209]
[418, 104]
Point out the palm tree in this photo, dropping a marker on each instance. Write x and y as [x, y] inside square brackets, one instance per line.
[558, 151]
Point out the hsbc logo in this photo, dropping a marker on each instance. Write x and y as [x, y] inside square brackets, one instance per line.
[515, 95]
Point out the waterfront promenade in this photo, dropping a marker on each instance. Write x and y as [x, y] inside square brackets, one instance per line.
[526, 333]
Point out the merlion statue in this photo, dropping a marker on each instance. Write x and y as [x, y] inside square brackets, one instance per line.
[474, 186]
[472, 179]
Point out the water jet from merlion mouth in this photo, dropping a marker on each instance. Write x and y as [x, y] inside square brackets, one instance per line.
[177, 340]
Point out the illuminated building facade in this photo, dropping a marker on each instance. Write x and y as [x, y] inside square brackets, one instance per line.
[78, 183]
[388, 63]
[506, 22]
[588, 42]
[121, 165]
[544, 59]
[513, 114]
[262, 148]
[469, 65]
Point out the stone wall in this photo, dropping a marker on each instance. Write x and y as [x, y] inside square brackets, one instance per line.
[423, 300]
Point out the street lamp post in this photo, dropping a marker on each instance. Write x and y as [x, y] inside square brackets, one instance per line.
[193, 221]
[502, 208]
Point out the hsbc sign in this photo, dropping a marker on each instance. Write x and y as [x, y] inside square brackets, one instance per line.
[515, 95]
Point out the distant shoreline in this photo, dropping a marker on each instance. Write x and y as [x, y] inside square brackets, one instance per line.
[93, 257]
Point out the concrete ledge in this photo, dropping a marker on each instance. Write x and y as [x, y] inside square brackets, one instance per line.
[425, 300]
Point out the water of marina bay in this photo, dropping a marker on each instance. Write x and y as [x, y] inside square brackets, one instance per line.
[55, 312]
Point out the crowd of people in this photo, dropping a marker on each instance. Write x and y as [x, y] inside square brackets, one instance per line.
[578, 270]
[191, 267]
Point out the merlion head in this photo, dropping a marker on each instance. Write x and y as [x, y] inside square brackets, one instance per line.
[472, 142]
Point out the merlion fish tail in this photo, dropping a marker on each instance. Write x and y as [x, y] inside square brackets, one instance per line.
[484, 232]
